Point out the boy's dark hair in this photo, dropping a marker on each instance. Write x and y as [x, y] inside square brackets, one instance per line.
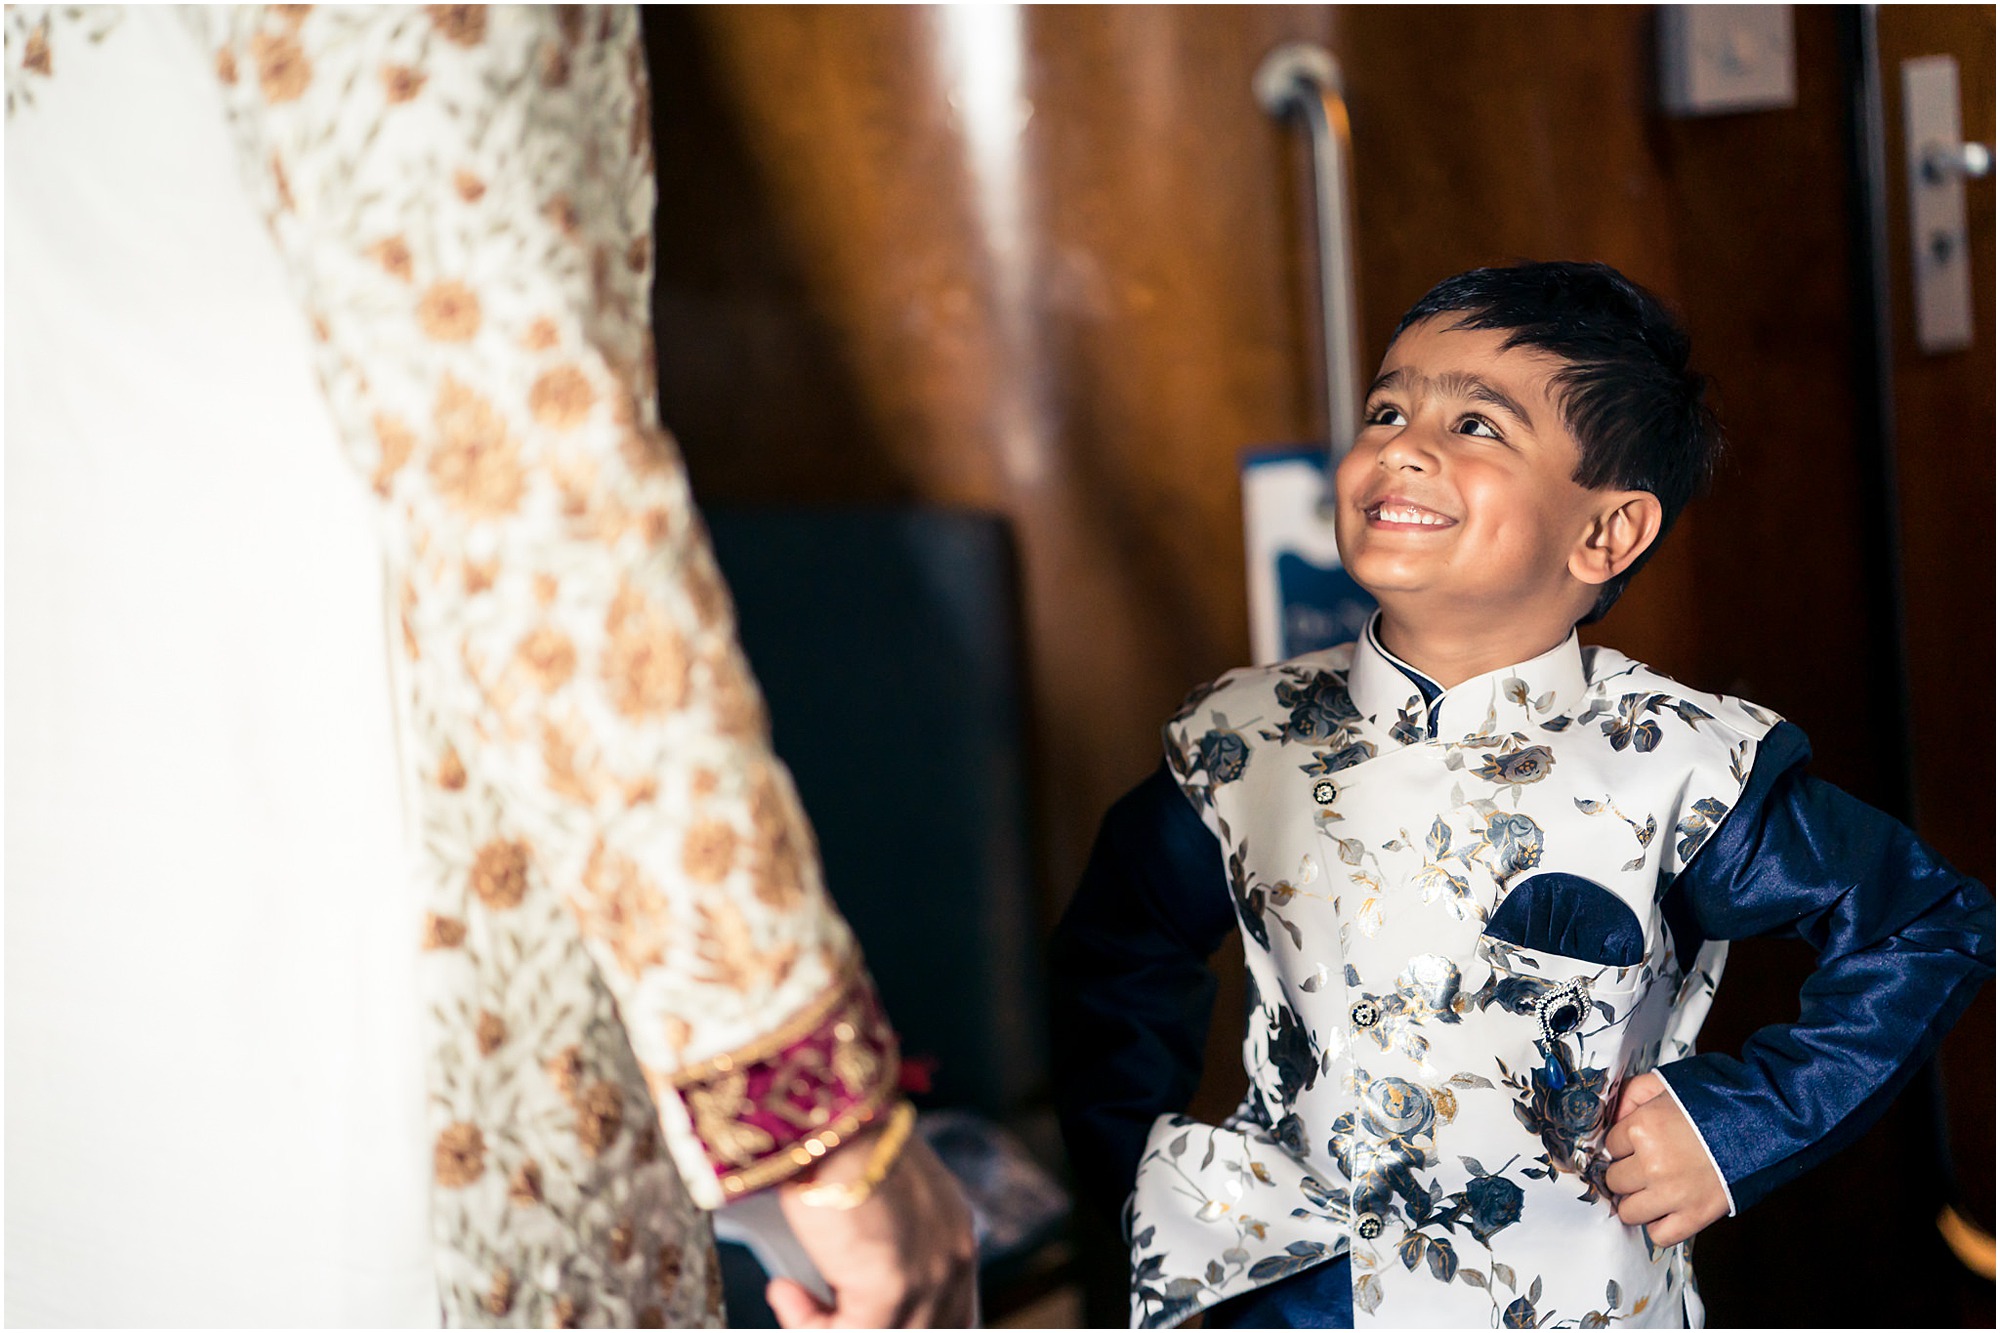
[1627, 394]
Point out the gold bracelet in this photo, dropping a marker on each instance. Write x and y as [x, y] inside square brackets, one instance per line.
[853, 1193]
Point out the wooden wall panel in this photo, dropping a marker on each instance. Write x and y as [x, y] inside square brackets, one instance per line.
[1945, 483]
[863, 319]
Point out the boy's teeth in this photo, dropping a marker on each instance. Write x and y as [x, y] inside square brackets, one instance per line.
[1405, 514]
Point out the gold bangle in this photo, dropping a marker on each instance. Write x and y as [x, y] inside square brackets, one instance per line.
[853, 1193]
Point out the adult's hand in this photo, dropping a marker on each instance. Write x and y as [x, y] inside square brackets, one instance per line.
[903, 1258]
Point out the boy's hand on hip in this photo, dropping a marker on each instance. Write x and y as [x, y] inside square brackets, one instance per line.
[1660, 1171]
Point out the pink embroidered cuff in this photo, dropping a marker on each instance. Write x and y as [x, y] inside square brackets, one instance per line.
[772, 1109]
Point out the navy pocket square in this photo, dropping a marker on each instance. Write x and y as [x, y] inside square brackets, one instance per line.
[1569, 915]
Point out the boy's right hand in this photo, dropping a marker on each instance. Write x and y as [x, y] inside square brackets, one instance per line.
[1661, 1170]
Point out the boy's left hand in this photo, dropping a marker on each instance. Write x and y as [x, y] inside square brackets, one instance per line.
[1661, 1172]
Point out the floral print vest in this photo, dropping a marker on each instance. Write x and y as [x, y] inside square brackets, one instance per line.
[1432, 1077]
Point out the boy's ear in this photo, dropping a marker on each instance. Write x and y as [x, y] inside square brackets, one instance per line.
[1621, 529]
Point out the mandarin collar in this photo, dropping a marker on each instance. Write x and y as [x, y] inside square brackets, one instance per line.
[1411, 706]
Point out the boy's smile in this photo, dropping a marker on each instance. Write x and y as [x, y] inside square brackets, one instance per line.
[1457, 506]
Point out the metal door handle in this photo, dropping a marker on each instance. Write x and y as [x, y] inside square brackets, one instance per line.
[1299, 77]
[1939, 161]
[1968, 161]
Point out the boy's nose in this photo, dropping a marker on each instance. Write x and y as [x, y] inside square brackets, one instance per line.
[1408, 450]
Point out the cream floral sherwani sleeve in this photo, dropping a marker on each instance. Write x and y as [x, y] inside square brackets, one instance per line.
[631, 958]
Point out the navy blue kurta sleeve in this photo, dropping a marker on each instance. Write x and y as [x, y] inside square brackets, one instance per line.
[1132, 991]
[1904, 942]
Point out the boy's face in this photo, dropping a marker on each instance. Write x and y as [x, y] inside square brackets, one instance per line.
[1457, 498]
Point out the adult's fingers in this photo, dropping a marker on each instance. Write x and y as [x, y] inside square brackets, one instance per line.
[796, 1307]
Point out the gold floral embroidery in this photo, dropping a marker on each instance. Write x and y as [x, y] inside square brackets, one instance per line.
[407, 607]
[599, 1117]
[549, 657]
[451, 770]
[460, 1156]
[708, 851]
[624, 908]
[669, 1271]
[449, 312]
[541, 335]
[393, 254]
[703, 783]
[565, 1071]
[396, 442]
[36, 58]
[715, 1108]
[602, 294]
[443, 932]
[524, 1187]
[706, 591]
[545, 589]
[561, 398]
[282, 68]
[645, 664]
[284, 188]
[492, 1031]
[561, 212]
[777, 875]
[856, 1064]
[500, 1297]
[641, 451]
[400, 83]
[500, 874]
[738, 711]
[555, 66]
[463, 24]
[678, 1032]
[640, 790]
[225, 65]
[479, 576]
[469, 186]
[477, 463]
[566, 780]
[731, 953]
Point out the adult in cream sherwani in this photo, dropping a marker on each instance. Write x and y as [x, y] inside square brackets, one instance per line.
[406, 913]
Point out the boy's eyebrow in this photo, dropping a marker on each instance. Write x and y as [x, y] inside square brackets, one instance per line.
[1452, 384]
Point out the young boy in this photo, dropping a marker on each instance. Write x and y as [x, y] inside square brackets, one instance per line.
[1485, 878]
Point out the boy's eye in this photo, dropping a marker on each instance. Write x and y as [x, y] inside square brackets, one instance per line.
[1383, 414]
[1479, 426]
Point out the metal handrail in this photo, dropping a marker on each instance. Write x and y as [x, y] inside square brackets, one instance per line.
[1299, 77]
